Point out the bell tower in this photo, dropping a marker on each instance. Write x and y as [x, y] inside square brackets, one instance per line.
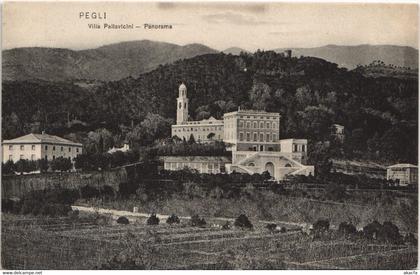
[182, 105]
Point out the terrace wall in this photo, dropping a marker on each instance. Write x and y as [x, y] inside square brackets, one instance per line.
[18, 185]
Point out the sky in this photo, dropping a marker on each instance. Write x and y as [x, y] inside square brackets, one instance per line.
[249, 26]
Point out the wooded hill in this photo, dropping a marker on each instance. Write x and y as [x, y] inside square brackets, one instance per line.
[380, 114]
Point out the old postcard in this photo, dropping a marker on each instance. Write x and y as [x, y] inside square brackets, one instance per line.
[199, 135]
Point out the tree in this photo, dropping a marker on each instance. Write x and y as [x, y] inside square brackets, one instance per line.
[211, 136]
[123, 220]
[242, 221]
[321, 226]
[316, 121]
[173, 219]
[61, 164]
[197, 221]
[260, 95]
[191, 140]
[153, 220]
[347, 228]
[8, 167]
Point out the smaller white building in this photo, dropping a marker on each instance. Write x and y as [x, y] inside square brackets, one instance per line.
[404, 173]
[40, 146]
[123, 149]
[203, 164]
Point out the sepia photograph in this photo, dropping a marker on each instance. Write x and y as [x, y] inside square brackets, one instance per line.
[209, 136]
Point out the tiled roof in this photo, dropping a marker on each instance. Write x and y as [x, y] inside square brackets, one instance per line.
[403, 165]
[40, 138]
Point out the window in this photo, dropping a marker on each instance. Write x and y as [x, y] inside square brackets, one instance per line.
[248, 125]
[268, 125]
[303, 148]
[261, 125]
[77, 150]
[255, 124]
[22, 147]
[248, 137]
[69, 149]
[11, 157]
[274, 125]
[62, 148]
[53, 157]
[53, 148]
[33, 147]
[180, 105]
[32, 157]
[274, 137]
[261, 137]
[46, 157]
[241, 136]
[185, 105]
[295, 147]
[46, 147]
[267, 138]
[255, 136]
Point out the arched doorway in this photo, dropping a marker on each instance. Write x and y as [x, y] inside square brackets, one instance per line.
[269, 167]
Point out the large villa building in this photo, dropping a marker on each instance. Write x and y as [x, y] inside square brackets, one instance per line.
[39, 146]
[252, 137]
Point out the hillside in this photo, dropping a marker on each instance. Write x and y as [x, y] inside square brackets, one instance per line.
[111, 62]
[379, 113]
[351, 56]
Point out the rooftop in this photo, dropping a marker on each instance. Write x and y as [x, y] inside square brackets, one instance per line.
[40, 138]
[251, 111]
[402, 165]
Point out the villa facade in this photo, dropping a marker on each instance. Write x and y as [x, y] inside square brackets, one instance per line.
[252, 136]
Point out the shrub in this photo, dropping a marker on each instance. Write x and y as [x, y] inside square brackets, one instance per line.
[390, 233]
[153, 220]
[107, 191]
[371, 230]
[346, 228]
[271, 227]
[88, 191]
[172, 219]
[8, 168]
[226, 226]
[61, 164]
[197, 221]
[242, 221]
[123, 220]
[321, 225]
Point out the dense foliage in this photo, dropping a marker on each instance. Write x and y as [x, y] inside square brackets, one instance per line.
[379, 114]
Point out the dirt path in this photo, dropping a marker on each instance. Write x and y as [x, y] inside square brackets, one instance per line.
[132, 216]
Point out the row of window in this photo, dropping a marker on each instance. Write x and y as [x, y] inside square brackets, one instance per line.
[195, 129]
[255, 125]
[33, 157]
[268, 137]
[259, 117]
[22, 147]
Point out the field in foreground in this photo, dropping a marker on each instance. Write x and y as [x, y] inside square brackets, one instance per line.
[98, 242]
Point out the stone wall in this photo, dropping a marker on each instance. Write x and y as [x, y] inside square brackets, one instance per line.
[17, 186]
